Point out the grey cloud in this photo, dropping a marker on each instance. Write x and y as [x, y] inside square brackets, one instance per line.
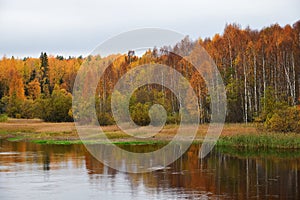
[76, 27]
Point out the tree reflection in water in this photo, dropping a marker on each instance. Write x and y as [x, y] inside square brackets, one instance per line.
[222, 174]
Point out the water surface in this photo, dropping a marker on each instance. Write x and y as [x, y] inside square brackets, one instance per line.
[32, 171]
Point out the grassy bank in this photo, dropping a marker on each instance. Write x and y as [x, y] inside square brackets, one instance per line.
[237, 136]
[263, 140]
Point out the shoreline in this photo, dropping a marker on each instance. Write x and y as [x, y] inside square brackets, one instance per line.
[237, 136]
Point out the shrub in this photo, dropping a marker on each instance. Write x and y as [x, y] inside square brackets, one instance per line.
[27, 109]
[56, 108]
[105, 119]
[14, 106]
[173, 119]
[139, 114]
[3, 118]
[285, 119]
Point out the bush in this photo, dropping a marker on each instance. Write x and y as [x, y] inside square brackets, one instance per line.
[14, 106]
[173, 119]
[3, 104]
[157, 115]
[283, 120]
[56, 108]
[3, 118]
[139, 114]
[28, 109]
[105, 119]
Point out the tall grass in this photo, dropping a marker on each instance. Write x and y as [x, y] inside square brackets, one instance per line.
[264, 140]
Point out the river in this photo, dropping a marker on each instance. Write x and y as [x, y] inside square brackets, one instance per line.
[33, 171]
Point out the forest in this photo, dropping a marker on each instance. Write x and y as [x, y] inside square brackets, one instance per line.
[260, 70]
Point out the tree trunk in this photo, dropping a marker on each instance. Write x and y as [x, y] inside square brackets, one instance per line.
[255, 85]
[294, 80]
[264, 80]
[245, 91]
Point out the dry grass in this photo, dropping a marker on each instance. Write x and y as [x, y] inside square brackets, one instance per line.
[235, 135]
[35, 125]
[37, 129]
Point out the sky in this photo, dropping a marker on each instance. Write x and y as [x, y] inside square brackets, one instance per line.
[76, 27]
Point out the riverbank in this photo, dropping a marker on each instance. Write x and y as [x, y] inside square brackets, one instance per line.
[233, 135]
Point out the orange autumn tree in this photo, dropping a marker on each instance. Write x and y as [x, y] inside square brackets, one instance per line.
[251, 63]
[16, 92]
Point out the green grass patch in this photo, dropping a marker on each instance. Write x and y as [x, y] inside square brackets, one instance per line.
[15, 139]
[264, 140]
[59, 142]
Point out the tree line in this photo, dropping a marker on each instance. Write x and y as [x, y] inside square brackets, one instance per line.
[260, 70]
[38, 87]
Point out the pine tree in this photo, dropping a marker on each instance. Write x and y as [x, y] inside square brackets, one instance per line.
[45, 74]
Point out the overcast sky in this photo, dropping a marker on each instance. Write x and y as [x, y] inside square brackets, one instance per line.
[76, 27]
